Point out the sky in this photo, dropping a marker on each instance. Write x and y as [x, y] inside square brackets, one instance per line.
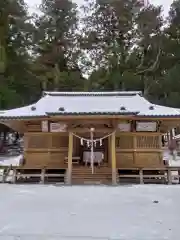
[166, 3]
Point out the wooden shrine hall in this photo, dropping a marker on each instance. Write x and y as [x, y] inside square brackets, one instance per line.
[91, 135]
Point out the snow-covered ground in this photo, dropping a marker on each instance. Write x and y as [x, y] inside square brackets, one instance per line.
[39, 212]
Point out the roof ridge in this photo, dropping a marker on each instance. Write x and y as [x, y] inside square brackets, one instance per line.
[115, 93]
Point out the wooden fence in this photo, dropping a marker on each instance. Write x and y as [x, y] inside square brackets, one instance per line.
[15, 175]
[168, 175]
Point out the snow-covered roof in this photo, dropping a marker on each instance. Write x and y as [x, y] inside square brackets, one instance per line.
[94, 103]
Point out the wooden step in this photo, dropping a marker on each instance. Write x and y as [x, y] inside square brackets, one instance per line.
[92, 179]
[93, 175]
[90, 173]
[84, 175]
[90, 170]
[89, 182]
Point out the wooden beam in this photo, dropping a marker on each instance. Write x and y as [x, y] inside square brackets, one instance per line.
[89, 121]
[113, 158]
[88, 117]
[46, 150]
[98, 117]
[139, 150]
[117, 117]
[70, 155]
[64, 134]
[87, 130]
[147, 134]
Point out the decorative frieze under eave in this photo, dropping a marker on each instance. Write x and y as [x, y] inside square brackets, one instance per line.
[93, 94]
[167, 117]
[22, 118]
[124, 113]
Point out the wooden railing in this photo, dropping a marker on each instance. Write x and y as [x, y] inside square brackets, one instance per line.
[150, 175]
[138, 140]
[45, 140]
[41, 175]
[142, 175]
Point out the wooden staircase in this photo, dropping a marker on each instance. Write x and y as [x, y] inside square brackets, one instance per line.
[84, 175]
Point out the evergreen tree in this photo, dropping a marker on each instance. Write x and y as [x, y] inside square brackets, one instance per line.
[57, 47]
[15, 40]
[123, 40]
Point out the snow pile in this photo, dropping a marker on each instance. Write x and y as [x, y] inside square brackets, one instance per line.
[173, 162]
[11, 161]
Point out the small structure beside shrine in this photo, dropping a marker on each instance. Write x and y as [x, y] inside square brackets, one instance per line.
[91, 137]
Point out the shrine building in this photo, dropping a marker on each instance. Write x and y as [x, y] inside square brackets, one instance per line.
[91, 135]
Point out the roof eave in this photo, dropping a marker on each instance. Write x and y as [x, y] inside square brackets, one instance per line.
[22, 117]
[92, 94]
[90, 113]
[159, 116]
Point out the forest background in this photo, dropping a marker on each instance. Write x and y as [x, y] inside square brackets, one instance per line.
[107, 45]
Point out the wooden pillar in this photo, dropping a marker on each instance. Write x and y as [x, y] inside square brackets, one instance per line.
[42, 178]
[141, 176]
[133, 126]
[70, 155]
[134, 148]
[3, 175]
[113, 158]
[109, 151]
[14, 178]
[161, 150]
[169, 176]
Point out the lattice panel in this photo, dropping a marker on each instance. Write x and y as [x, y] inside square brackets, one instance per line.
[25, 139]
[124, 160]
[148, 142]
[76, 146]
[124, 142]
[57, 160]
[38, 141]
[36, 160]
[36, 127]
[148, 160]
[59, 141]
